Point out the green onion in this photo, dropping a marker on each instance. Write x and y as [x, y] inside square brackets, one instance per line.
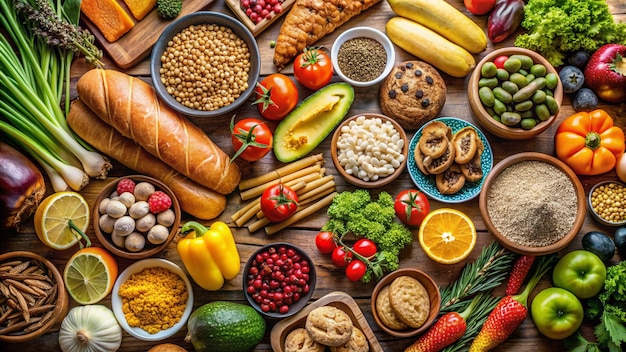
[35, 61]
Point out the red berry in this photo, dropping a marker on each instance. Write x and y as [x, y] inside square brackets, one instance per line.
[125, 185]
[278, 8]
[159, 201]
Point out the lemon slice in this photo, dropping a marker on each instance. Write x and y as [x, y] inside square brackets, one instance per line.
[89, 275]
[53, 215]
[447, 235]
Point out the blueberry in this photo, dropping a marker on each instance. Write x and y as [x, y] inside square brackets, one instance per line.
[572, 78]
[585, 100]
[578, 58]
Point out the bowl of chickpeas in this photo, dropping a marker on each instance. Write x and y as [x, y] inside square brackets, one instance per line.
[136, 216]
[606, 203]
[205, 64]
[369, 150]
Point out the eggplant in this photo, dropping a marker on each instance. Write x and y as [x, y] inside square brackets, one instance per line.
[504, 19]
[22, 187]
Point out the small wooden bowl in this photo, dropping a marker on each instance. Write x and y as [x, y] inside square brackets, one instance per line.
[355, 180]
[489, 123]
[433, 292]
[150, 249]
[533, 250]
[593, 212]
[61, 303]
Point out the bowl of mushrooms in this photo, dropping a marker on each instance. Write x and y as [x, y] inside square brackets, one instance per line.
[136, 216]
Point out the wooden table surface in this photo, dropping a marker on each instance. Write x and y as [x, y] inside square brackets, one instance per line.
[302, 233]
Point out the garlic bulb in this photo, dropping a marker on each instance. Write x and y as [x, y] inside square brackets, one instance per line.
[90, 328]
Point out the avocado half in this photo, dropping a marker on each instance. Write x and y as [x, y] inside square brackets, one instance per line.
[311, 121]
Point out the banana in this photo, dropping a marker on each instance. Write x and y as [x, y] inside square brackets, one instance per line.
[430, 47]
[444, 19]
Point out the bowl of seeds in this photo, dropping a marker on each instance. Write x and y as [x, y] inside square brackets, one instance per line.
[205, 64]
[532, 203]
[362, 56]
[32, 296]
[606, 203]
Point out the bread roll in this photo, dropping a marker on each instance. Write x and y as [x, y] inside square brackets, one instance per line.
[194, 199]
[132, 107]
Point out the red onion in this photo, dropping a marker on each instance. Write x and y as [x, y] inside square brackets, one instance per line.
[21, 187]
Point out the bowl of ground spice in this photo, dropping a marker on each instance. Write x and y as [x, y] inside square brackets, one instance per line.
[363, 56]
[606, 203]
[533, 203]
[152, 299]
[205, 64]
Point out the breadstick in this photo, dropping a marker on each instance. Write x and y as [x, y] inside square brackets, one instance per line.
[280, 172]
[299, 215]
[258, 190]
[257, 225]
[317, 196]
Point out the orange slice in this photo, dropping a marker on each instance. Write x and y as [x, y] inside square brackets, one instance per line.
[447, 235]
[53, 215]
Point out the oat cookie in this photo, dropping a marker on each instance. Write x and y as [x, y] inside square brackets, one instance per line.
[413, 94]
[386, 313]
[409, 300]
[299, 341]
[329, 326]
[358, 343]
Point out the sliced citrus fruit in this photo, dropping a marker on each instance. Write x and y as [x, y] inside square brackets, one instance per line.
[447, 235]
[89, 275]
[52, 219]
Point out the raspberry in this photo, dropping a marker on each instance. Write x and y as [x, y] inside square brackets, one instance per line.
[125, 185]
[159, 201]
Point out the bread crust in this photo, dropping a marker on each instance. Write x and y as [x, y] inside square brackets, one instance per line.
[132, 107]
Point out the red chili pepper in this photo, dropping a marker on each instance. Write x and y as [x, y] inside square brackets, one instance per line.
[509, 313]
[521, 267]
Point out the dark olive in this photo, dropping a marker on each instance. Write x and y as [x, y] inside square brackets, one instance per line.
[620, 240]
[600, 244]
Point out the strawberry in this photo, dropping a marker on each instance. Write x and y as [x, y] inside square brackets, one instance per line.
[510, 312]
[521, 267]
[159, 201]
[125, 185]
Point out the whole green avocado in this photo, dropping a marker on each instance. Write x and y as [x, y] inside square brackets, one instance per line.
[222, 326]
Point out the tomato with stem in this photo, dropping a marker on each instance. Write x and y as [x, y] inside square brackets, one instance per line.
[251, 138]
[355, 270]
[279, 202]
[365, 247]
[325, 242]
[411, 207]
[313, 68]
[341, 256]
[276, 96]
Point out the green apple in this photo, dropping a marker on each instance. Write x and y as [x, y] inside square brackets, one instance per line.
[557, 313]
[580, 272]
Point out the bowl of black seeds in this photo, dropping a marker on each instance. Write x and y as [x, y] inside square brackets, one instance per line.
[363, 56]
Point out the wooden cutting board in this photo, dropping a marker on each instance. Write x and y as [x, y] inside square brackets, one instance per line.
[257, 28]
[136, 45]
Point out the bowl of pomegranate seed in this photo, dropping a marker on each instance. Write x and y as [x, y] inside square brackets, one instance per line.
[279, 280]
[136, 216]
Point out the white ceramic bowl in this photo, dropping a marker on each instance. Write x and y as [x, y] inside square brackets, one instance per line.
[363, 32]
[116, 300]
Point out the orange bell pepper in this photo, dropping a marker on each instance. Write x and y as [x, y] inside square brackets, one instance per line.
[589, 143]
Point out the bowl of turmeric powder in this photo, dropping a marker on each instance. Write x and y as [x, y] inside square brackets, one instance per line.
[152, 299]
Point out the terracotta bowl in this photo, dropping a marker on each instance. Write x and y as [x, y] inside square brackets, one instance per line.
[304, 298]
[355, 180]
[61, 302]
[513, 245]
[593, 212]
[433, 293]
[149, 249]
[496, 127]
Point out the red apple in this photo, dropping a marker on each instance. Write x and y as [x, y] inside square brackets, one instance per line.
[605, 73]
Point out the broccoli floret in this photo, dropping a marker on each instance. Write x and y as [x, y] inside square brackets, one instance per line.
[347, 203]
[396, 237]
[169, 9]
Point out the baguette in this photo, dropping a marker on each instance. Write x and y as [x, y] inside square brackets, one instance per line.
[132, 107]
[194, 199]
[310, 20]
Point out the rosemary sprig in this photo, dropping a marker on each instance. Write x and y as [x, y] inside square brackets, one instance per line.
[488, 271]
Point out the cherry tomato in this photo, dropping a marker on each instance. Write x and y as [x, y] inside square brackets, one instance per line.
[479, 7]
[365, 247]
[313, 68]
[355, 270]
[276, 96]
[279, 202]
[499, 61]
[325, 242]
[251, 138]
[411, 207]
[341, 257]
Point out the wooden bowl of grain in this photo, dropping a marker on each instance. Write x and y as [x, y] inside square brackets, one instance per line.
[533, 203]
[22, 265]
